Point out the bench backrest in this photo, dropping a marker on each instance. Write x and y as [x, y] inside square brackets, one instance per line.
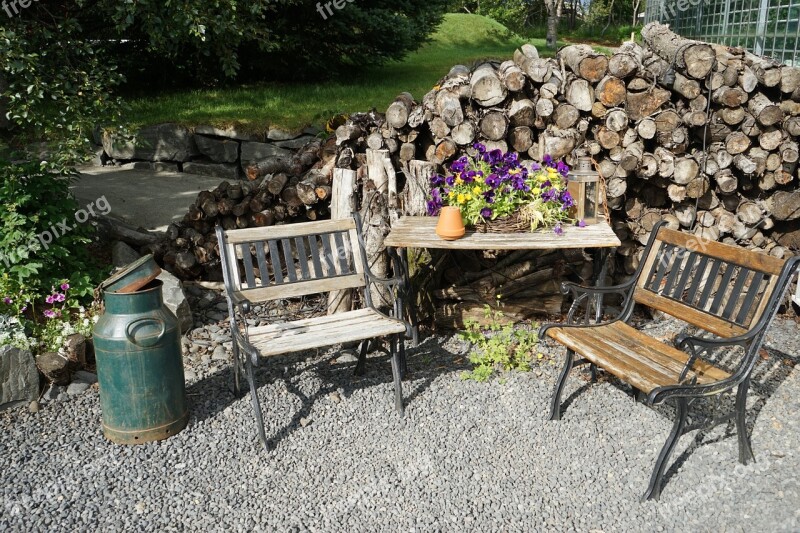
[292, 260]
[717, 287]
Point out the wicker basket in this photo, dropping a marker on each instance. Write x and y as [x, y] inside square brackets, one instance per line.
[509, 224]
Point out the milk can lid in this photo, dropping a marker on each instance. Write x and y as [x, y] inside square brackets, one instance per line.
[133, 277]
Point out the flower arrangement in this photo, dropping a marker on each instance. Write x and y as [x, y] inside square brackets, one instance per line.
[493, 185]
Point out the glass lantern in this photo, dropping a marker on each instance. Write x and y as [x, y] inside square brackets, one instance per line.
[584, 187]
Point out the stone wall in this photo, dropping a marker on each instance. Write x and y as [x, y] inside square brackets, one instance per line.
[205, 150]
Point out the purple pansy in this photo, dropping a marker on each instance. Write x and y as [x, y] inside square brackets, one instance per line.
[558, 230]
[486, 212]
[562, 168]
[7, 300]
[50, 299]
[581, 223]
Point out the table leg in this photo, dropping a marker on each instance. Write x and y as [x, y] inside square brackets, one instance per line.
[410, 297]
[600, 266]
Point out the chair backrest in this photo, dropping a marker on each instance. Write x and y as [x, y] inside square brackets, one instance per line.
[292, 260]
[720, 288]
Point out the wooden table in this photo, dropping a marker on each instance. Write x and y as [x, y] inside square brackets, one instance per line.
[420, 232]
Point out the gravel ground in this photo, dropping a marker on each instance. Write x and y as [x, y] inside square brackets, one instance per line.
[467, 457]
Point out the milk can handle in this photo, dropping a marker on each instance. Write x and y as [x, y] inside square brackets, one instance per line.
[146, 342]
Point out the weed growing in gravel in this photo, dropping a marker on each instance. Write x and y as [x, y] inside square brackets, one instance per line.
[498, 347]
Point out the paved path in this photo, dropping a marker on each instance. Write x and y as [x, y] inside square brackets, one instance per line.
[143, 198]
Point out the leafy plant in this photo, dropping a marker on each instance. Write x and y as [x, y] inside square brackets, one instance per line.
[498, 347]
[495, 185]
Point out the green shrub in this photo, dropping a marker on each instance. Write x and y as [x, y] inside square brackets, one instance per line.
[41, 243]
[498, 347]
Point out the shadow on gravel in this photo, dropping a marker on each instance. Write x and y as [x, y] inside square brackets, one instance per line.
[211, 395]
[768, 375]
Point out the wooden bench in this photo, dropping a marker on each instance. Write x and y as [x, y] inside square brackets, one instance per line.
[264, 264]
[729, 294]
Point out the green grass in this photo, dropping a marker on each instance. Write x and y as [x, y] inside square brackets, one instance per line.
[461, 38]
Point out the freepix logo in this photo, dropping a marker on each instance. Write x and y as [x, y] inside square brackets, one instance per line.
[43, 240]
[338, 4]
[12, 7]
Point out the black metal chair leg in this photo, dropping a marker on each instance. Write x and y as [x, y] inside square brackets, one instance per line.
[654, 489]
[402, 353]
[251, 380]
[361, 366]
[396, 373]
[593, 372]
[745, 450]
[237, 370]
[555, 405]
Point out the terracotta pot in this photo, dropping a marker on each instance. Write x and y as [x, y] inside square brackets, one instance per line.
[450, 226]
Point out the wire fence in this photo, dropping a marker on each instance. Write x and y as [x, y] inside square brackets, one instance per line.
[764, 27]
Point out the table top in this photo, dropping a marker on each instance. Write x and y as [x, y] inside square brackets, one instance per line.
[420, 232]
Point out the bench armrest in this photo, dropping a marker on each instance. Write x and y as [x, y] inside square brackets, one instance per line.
[583, 294]
[696, 346]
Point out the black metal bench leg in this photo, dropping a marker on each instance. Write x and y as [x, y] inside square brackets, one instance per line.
[745, 451]
[555, 405]
[361, 366]
[251, 380]
[654, 489]
[396, 373]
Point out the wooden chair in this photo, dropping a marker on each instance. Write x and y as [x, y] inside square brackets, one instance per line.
[264, 264]
[730, 294]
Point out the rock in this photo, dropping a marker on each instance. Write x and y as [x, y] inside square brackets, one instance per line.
[347, 356]
[77, 387]
[230, 132]
[19, 380]
[252, 151]
[335, 397]
[312, 130]
[219, 354]
[52, 392]
[190, 375]
[295, 144]
[175, 300]
[99, 157]
[33, 407]
[277, 134]
[141, 165]
[122, 254]
[75, 350]
[164, 166]
[305, 421]
[222, 171]
[162, 142]
[85, 377]
[54, 366]
[220, 151]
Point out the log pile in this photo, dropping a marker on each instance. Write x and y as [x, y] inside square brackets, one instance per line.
[702, 136]
[276, 191]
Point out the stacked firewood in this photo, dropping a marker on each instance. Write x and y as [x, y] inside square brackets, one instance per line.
[702, 136]
[277, 190]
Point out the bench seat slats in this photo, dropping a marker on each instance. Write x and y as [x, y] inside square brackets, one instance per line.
[633, 356]
[693, 316]
[306, 334]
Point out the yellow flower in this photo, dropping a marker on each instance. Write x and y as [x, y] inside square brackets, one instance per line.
[460, 198]
[536, 190]
[476, 189]
[469, 197]
[542, 178]
[459, 181]
[451, 194]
